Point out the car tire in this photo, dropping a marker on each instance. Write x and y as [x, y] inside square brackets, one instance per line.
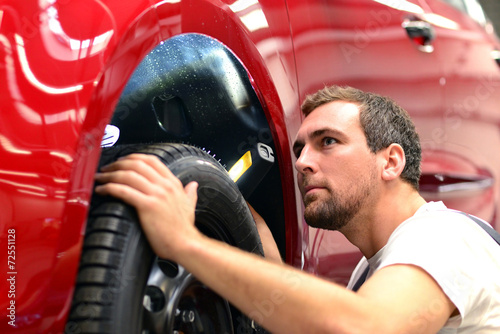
[123, 287]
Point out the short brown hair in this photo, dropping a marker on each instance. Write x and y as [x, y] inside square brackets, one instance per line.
[383, 121]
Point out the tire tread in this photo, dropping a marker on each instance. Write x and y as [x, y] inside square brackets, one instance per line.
[97, 281]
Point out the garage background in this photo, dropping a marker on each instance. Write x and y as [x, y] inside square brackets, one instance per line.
[492, 9]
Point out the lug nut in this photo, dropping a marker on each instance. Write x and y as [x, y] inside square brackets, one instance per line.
[187, 316]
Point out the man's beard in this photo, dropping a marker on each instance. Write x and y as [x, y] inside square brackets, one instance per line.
[336, 211]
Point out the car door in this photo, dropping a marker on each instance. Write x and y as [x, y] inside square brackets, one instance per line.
[462, 161]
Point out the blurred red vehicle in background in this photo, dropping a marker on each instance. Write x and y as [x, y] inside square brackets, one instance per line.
[80, 80]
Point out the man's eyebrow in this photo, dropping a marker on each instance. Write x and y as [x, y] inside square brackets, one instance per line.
[320, 132]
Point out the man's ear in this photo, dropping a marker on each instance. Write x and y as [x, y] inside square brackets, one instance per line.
[394, 162]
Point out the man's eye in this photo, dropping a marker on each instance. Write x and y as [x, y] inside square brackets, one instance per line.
[329, 141]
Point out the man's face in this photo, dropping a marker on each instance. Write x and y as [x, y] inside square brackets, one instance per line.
[337, 173]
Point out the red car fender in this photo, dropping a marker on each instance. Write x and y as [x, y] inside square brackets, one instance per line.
[97, 84]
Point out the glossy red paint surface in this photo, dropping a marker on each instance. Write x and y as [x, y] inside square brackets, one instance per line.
[63, 65]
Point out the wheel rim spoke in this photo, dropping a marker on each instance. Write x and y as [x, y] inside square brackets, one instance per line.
[175, 302]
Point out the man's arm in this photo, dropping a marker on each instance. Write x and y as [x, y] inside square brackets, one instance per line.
[271, 251]
[397, 299]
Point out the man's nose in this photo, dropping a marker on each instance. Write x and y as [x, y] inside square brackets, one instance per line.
[305, 162]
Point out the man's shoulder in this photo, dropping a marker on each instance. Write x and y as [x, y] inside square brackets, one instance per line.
[435, 218]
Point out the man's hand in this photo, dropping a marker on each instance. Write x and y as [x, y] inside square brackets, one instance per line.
[165, 208]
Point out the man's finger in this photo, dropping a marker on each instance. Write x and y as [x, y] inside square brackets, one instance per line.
[127, 177]
[138, 164]
[152, 161]
[126, 193]
[148, 169]
[191, 190]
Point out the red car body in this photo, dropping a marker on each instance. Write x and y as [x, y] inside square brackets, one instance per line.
[64, 65]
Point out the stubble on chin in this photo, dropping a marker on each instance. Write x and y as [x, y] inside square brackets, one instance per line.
[326, 214]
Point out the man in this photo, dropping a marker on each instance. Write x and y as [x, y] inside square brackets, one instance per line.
[358, 158]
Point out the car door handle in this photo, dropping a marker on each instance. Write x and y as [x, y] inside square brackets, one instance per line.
[421, 33]
[445, 183]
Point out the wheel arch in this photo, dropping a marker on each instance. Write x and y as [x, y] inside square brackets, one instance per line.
[191, 88]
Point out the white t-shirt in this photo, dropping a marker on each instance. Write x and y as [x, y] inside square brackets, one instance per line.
[462, 258]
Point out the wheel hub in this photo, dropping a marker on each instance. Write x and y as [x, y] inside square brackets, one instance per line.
[176, 302]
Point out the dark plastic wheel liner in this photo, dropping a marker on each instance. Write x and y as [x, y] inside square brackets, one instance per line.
[122, 287]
